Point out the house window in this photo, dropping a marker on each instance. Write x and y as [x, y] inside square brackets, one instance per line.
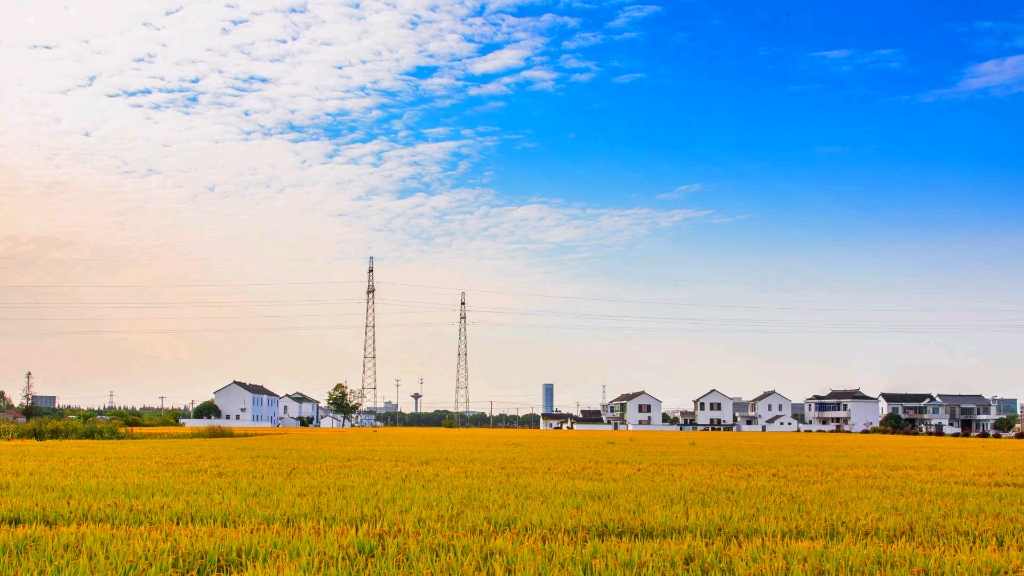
[645, 408]
[716, 406]
[238, 417]
[935, 410]
[769, 407]
[846, 406]
[285, 410]
[701, 407]
[780, 407]
[985, 410]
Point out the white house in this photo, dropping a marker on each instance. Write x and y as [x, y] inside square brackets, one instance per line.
[633, 409]
[242, 402]
[713, 411]
[970, 413]
[333, 421]
[924, 412]
[591, 420]
[850, 410]
[298, 405]
[555, 420]
[769, 412]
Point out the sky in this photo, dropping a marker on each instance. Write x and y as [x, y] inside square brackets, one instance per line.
[670, 196]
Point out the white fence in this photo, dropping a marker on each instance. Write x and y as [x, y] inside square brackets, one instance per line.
[199, 422]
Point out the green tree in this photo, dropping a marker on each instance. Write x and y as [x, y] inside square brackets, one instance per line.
[207, 409]
[1006, 423]
[5, 401]
[893, 421]
[344, 400]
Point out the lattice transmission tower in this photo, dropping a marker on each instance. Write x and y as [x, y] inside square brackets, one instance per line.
[369, 390]
[462, 371]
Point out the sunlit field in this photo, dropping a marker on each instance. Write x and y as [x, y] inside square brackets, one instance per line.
[441, 501]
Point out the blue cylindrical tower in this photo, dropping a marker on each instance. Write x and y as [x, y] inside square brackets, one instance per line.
[548, 400]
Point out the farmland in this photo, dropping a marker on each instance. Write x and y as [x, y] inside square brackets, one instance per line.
[435, 501]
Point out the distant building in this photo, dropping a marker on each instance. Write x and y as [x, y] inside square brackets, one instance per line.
[970, 413]
[298, 405]
[11, 416]
[547, 398]
[240, 402]
[388, 406]
[769, 412]
[713, 411]
[797, 411]
[850, 410]
[1005, 406]
[633, 409]
[554, 420]
[44, 401]
[590, 420]
[738, 405]
[924, 412]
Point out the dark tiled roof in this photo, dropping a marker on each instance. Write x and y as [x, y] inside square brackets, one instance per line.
[252, 389]
[629, 396]
[590, 413]
[12, 414]
[905, 398]
[301, 398]
[843, 395]
[773, 419]
[767, 394]
[964, 399]
[588, 420]
[555, 415]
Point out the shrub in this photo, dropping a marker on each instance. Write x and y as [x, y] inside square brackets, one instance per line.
[914, 433]
[939, 433]
[983, 434]
[1019, 435]
[954, 435]
[877, 430]
[997, 434]
[212, 432]
[47, 429]
[865, 431]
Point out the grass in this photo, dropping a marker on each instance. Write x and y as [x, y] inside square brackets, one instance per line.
[435, 501]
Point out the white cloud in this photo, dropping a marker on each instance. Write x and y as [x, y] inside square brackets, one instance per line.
[997, 77]
[582, 40]
[269, 126]
[582, 77]
[681, 191]
[574, 61]
[848, 59]
[625, 78]
[630, 14]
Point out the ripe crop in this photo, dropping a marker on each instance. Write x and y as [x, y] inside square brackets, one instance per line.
[436, 501]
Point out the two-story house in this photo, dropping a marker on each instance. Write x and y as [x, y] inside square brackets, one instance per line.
[298, 405]
[850, 410]
[923, 412]
[247, 402]
[969, 413]
[768, 412]
[713, 411]
[633, 409]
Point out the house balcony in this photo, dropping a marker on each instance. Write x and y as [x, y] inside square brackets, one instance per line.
[828, 414]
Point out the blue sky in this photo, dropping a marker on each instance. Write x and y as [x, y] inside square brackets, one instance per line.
[849, 177]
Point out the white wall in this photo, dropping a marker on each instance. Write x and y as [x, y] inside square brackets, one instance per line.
[863, 414]
[704, 416]
[198, 422]
[258, 408]
[633, 415]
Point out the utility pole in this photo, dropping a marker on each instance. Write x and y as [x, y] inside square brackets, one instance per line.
[603, 386]
[517, 417]
[416, 398]
[193, 409]
[492, 413]
[577, 408]
[162, 404]
[110, 403]
[462, 369]
[398, 382]
[370, 345]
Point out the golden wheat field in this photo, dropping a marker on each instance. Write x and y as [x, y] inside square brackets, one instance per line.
[441, 501]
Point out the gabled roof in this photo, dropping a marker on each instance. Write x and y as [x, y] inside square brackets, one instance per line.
[708, 393]
[13, 414]
[300, 398]
[251, 388]
[906, 398]
[964, 399]
[773, 419]
[767, 394]
[590, 413]
[843, 395]
[629, 396]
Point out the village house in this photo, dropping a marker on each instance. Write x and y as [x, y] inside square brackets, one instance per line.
[850, 410]
[633, 409]
[769, 412]
[713, 411]
[242, 402]
[12, 416]
[298, 405]
[922, 412]
[969, 413]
